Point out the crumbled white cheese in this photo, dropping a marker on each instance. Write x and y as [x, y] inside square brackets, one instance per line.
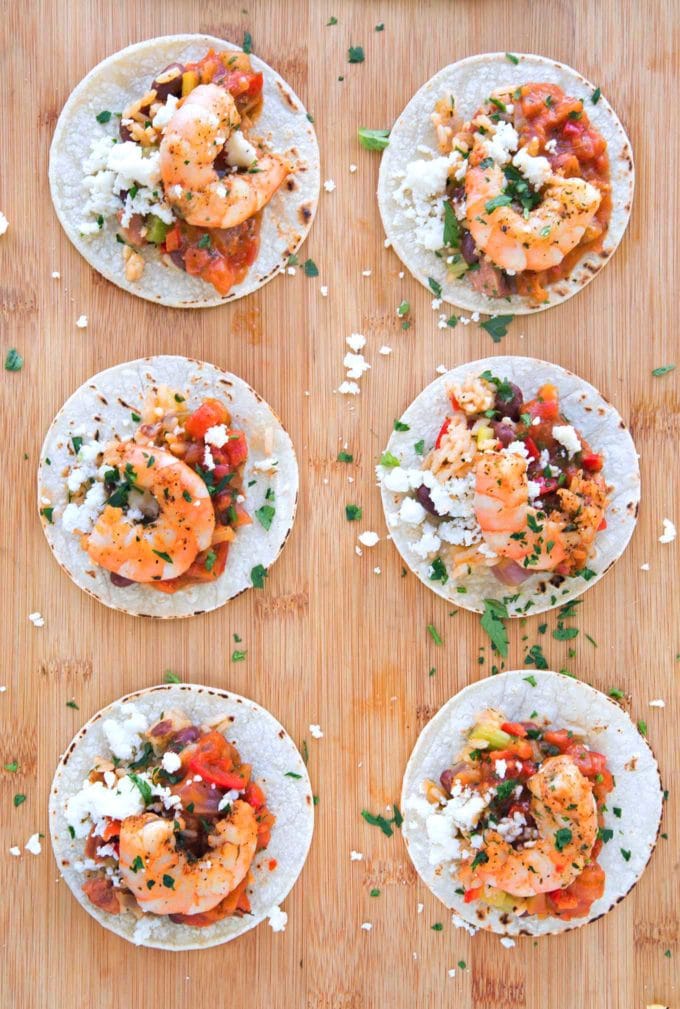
[33, 844]
[412, 512]
[516, 448]
[460, 922]
[507, 942]
[208, 461]
[231, 796]
[56, 275]
[428, 544]
[329, 186]
[658, 703]
[420, 908]
[441, 369]
[501, 144]
[171, 762]
[352, 168]
[81, 322]
[216, 435]
[537, 171]
[644, 567]
[567, 437]
[323, 291]
[669, 532]
[366, 273]
[501, 767]
[385, 350]
[356, 342]
[145, 928]
[551, 146]
[315, 732]
[4, 223]
[278, 919]
[421, 195]
[123, 733]
[95, 802]
[81, 518]
[37, 619]
[356, 856]
[366, 926]
[356, 364]
[14, 850]
[368, 538]
[238, 151]
[165, 113]
[348, 389]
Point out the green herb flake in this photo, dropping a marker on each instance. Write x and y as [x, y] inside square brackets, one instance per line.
[238, 656]
[19, 798]
[596, 95]
[376, 820]
[531, 680]
[380, 27]
[400, 426]
[171, 677]
[258, 575]
[355, 54]
[375, 892]
[72, 704]
[373, 140]
[389, 460]
[12, 766]
[13, 360]
[642, 727]
[345, 457]
[435, 287]
[492, 622]
[419, 447]
[168, 881]
[103, 117]
[48, 513]
[331, 21]
[497, 326]
[163, 556]
[625, 854]
[247, 49]
[434, 634]
[437, 927]
[144, 788]
[137, 864]
[353, 512]
[664, 369]
[292, 774]
[512, 58]
[403, 309]
[310, 268]
[265, 516]
[438, 572]
[563, 837]
[616, 810]
[616, 694]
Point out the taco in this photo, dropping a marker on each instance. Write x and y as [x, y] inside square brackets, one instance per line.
[510, 479]
[531, 803]
[507, 183]
[181, 816]
[166, 487]
[185, 170]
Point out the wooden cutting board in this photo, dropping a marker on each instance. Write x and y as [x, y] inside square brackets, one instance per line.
[334, 638]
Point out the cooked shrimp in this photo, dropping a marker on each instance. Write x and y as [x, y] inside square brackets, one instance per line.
[162, 878]
[510, 526]
[565, 813]
[192, 140]
[541, 239]
[165, 546]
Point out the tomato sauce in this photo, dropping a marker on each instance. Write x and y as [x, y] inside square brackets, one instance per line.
[545, 112]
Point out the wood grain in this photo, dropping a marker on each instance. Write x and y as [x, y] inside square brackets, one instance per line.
[329, 640]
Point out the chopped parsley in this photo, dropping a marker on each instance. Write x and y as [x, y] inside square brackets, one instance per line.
[310, 268]
[171, 677]
[438, 572]
[625, 854]
[355, 54]
[373, 140]
[595, 97]
[353, 512]
[137, 864]
[492, 622]
[72, 704]
[434, 634]
[19, 798]
[385, 825]
[389, 460]
[435, 287]
[13, 360]
[497, 326]
[400, 426]
[168, 881]
[531, 680]
[238, 656]
[512, 58]
[345, 457]
[419, 447]
[144, 788]
[563, 837]
[258, 575]
[662, 370]
[265, 516]
[103, 117]
[247, 49]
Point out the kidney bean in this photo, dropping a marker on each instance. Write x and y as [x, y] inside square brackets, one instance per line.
[177, 256]
[510, 407]
[169, 82]
[119, 581]
[446, 779]
[185, 736]
[504, 432]
[469, 249]
[423, 496]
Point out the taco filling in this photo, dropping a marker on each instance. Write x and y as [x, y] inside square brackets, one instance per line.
[162, 507]
[516, 196]
[519, 816]
[173, 821]
[508, 484]
[186, 173]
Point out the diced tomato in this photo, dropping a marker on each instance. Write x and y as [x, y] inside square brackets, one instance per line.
[237, 448]
[559, 738]
[217, 271]
[592, 461]
[213, 761]
[209, 414]
[99, 890]
[112, 829]
[173, 239]
[575, 901]
[265, 822]
[195, 260]
[571, 129]
[602, 525]
[518, 748]
[442, 431]
[532, 448]
[563, 900]
[254, 795]
[514, 729]
[240, 82]
[472, 894]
